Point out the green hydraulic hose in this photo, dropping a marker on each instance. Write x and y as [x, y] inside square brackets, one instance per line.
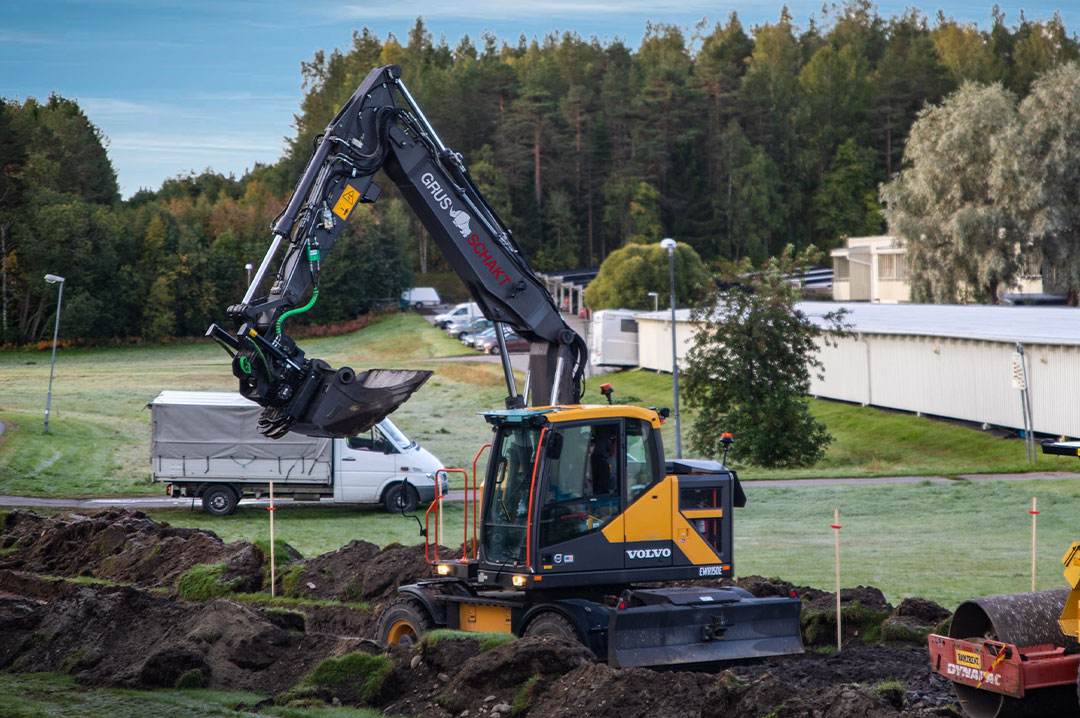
[313, 257]
[298, 310]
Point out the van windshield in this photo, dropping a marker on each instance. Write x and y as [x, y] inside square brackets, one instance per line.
[395, 434]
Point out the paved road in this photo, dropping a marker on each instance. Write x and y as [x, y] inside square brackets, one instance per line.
[138, 502]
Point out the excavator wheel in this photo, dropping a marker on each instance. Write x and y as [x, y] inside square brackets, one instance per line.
[404, 621]
[550, 623]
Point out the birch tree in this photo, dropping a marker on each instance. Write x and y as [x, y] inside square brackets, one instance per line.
[962, 237]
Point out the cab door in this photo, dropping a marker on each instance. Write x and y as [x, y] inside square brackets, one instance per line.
[583, 494]
[363, 464]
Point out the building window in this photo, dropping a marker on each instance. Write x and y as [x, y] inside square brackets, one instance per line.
[841, 268]
[892, 267]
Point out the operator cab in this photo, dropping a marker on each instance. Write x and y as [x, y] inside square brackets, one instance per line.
[557, 478]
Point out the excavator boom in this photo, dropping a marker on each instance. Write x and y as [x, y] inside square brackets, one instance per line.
[382, 128]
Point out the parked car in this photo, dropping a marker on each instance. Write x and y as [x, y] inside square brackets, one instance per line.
[476, 326]
[469, 340]
[463, 311]
[419, 297]
[514, 343]
[459, 328]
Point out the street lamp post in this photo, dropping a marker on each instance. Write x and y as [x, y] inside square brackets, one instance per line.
[655, 300]
[248, 268]
[669, 244]
[53, 279]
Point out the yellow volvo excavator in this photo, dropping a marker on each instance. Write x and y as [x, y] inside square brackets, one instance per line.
[580, 507]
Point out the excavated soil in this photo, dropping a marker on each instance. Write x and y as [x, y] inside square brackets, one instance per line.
[123, 623]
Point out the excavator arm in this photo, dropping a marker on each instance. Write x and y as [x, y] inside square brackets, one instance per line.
[382, 128]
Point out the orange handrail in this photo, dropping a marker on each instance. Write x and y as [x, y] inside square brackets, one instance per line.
[475, 523]
[436, 505]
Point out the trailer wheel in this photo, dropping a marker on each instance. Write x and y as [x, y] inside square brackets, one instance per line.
[397, 500]
[550, 623]
[219, 500]
[404, 621]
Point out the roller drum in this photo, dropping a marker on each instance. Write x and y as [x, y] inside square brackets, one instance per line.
[1022, 619]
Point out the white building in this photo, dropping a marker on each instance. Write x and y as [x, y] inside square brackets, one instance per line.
[945, 360]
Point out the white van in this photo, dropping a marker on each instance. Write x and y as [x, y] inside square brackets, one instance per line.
[419, 297]
[461, 312]
[206, 445]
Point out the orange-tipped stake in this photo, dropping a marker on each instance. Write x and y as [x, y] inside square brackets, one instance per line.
[270, 508]
[1033, 513]
[836, 528]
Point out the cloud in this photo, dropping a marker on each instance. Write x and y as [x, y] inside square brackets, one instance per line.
[21, 37]
[566, 10]
[197, 144]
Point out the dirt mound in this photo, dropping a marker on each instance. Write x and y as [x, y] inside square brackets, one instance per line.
[360, 571]
[128, 636]
[122, 546]
[123, 636]
[867, 596]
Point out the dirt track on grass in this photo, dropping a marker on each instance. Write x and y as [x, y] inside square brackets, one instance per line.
[128, 626]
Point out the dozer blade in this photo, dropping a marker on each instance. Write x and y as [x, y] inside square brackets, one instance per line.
[703, 626]
[342, 403]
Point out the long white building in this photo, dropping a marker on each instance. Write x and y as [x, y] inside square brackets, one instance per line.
[951, 361]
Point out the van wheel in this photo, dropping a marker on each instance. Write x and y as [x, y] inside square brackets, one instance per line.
[550, 623]
[219, 501]
[398, 500]
[404, 621]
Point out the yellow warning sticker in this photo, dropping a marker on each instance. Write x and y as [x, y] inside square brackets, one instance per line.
[966, 658]
[346, 202]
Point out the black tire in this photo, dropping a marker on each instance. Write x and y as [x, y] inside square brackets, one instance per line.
[462, 335]
[403, 621]
[219, 500]
[396, 500]
[494, 350]
[418, 306]
[550, 623]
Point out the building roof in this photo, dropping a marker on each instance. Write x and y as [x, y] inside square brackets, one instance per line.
[1011, 324]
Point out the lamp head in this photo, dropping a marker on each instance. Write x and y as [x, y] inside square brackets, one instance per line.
[54, 279]
[668, 243]
[248, 266]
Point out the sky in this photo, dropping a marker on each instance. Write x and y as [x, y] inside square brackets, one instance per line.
[180, 86]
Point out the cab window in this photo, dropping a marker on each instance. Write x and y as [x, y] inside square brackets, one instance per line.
[583, 491]
[507, 512]
[642, 458]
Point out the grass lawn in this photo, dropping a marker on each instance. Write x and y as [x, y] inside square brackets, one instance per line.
[313, 530]
[98, 441]
[42, 695]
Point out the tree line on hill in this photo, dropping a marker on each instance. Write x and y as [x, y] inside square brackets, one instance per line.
[738, 142]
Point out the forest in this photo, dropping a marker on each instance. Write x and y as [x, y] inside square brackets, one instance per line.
[737, 141]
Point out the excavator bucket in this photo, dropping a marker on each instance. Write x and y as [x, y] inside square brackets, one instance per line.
[342, 403]
[701, 626]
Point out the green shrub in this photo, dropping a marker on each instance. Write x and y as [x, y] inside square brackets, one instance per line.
[523, 697]
[819, 627]
[204, 581]
[191, 679]
[369, 671]
[486, 640]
